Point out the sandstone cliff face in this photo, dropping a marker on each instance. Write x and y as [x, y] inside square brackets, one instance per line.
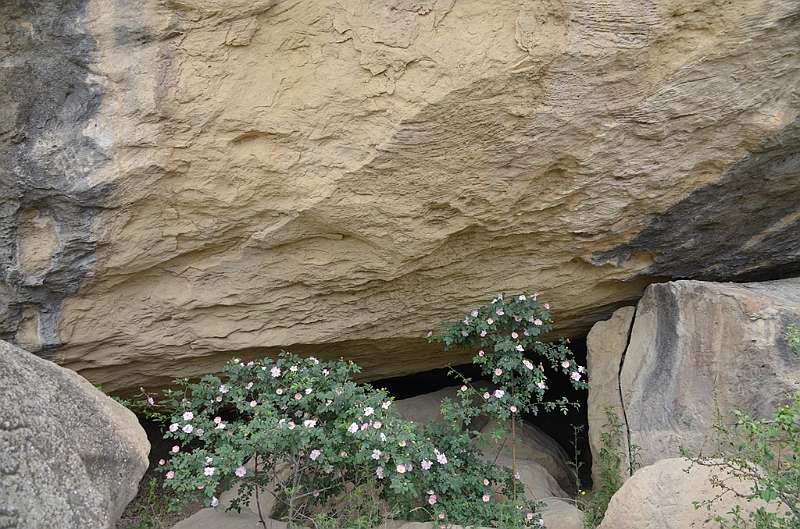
[336, 177]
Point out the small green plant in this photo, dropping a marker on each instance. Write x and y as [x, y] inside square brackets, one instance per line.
[765, 452]
[609, 467]
[792, 336]
[576, 464]
[611, 473]
[153, 510]
[581, 500]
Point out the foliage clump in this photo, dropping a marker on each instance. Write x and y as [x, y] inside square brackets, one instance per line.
[334, 453]
[302, 431]
[611, 472]
[508, 333]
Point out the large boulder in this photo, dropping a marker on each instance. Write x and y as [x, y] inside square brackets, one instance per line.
[191, 180]
[558, 511]
[605, 349]
[533, 445]
[70, 457]
[696, 350]
[662, 496]
[215, 518]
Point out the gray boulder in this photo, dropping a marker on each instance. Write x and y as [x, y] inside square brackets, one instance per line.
[695, 347]
[70, 456]
[693, 340]
[661, 496]
[605, 348]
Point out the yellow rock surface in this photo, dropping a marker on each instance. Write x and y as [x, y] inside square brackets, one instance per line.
[337, 177]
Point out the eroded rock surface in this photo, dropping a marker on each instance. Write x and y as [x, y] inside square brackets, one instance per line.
[218, 178]
[661, 496]
[693, 343]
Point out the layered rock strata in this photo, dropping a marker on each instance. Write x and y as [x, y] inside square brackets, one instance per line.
[185, 181]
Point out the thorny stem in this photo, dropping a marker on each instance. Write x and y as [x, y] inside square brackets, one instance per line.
[258, 503]
[500, 450]
[514, 454]
[293, 495]
[513, 444]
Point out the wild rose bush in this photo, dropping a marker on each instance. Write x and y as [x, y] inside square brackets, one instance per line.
[307, 427]
[311, 435]
[302, 431]
[507, 332]
[460, 485]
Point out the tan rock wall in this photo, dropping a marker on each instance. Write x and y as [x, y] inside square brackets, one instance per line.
[338, 177]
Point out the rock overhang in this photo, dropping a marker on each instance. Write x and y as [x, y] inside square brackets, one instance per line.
[312, 178]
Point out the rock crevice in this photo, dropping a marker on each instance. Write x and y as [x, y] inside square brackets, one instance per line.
[697, 351]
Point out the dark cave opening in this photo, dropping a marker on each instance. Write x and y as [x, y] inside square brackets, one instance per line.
[557, 425]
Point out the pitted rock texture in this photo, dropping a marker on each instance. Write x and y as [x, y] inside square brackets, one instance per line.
[337, 177]
[70, 456]
[48, 193]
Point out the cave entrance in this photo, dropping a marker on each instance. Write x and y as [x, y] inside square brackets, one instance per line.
[555, 424]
